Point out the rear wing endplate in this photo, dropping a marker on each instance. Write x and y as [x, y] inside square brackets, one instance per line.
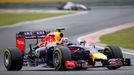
[23, 35]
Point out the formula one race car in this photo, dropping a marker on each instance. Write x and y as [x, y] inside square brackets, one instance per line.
[55, 51]
[72, 6]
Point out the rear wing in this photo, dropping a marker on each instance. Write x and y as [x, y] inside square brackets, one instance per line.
[23, 35]
[31, 34]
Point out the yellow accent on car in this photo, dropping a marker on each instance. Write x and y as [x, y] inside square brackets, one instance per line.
[99, 56]
[58, 36]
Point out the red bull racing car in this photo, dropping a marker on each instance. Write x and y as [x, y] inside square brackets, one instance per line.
[55, 51]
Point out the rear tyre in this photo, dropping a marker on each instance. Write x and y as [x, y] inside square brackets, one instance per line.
[13, 59]
[112, 51]
[60, 56]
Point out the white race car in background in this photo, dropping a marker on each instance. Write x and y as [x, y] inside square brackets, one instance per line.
[72, 6]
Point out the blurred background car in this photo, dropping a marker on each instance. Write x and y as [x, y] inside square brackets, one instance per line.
[72, 6]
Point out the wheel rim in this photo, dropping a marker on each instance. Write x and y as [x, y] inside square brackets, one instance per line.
[108, 53]
[56, 59]
[6, 58]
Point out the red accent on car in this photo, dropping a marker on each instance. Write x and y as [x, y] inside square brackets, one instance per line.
[20, 43]
[73, 51]
[70, 64]
[91, 55]
[47, 39]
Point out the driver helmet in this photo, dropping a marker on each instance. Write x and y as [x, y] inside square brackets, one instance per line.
[65, 41]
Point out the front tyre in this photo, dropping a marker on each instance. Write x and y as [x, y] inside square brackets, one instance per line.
[13, 59]
[112, 51]
[60, 56]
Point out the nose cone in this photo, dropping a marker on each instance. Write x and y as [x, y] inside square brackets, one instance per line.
[99, 56]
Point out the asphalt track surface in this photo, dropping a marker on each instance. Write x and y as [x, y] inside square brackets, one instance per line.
[95, 20]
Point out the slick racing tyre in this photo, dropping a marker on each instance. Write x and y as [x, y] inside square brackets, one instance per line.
[112, 51]
[60, 55]
[13, 59]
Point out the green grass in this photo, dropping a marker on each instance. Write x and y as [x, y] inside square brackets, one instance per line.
[13, 18]
[123, 38]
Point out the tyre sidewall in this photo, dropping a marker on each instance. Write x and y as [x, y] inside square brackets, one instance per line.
[15, 59]
[58, 66]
